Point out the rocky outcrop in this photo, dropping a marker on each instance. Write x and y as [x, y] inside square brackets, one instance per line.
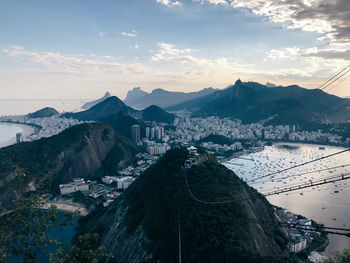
[86, 157]
[126, 247]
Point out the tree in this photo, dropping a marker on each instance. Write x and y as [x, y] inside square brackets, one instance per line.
[23, 230]
[23, 227]
[86, 249]
[340, 257]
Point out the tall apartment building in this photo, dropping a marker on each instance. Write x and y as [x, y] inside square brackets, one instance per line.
[135, 133]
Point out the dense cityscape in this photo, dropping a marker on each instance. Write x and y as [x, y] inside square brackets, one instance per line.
[170, 131]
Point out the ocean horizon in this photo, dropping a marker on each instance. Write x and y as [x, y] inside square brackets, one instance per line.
[22, 107]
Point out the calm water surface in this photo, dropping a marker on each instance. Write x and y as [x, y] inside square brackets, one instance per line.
[20, 107]
[328, 204]
[8, 133]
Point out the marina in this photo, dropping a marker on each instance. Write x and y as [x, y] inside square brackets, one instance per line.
[320, 203]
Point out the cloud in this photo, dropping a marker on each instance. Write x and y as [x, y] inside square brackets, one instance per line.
[169, 3]
[329, 54]
[102, 34]
[214, 2]
[295, 53]
[178, 68]
[72, 64]
[133, 33]
[168, 52]
[183, 60]
[329, 17]
[291, 53]
[310, 64]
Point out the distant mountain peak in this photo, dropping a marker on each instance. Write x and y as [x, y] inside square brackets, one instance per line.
[155, 113]
[270, 85]
[136, 90]
[155, 91]
[238, 82]
[139, 99]
[43, 113]
[239, 90]
[90, 104]
[134, 95]
[109, 106]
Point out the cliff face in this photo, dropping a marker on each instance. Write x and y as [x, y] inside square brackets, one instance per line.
[80, 151]
[143, 224]
[84, 158]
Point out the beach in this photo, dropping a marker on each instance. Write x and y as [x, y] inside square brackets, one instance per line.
[67, 206]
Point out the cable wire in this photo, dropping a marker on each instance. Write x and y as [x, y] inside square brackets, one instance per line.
[299, 165]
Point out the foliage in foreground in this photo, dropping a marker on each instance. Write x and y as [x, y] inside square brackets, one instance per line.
[23, 232]
[340, 257]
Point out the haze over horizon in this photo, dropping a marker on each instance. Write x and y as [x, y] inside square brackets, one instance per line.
[81, 49]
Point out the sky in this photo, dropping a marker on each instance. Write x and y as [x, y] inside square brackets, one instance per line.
[64, 49]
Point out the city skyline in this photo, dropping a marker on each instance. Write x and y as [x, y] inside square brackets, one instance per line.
[81, 49]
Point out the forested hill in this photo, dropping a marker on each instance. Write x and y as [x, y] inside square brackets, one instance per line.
[142, 225]
[113, 106]
[86, 150]
[43, 113]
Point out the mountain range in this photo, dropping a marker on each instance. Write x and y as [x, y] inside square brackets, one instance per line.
[252, 102]
[139, 99]
[113, 105]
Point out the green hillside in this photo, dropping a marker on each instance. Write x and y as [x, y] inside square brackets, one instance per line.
[143, 224]
[79, 151]
[251, 102]
[107, 107]
[154, 113]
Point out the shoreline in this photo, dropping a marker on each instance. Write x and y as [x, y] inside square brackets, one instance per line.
[67, 207]
[333, 243]
[26, 131]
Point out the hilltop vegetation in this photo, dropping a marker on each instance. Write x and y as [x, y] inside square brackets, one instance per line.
[43, 113]
[154, 113]
[122, 123]
[80, 151]
[217, 139]
[142, 225]
[107, 107]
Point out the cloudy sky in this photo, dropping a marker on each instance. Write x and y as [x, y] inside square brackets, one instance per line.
[82, 48]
